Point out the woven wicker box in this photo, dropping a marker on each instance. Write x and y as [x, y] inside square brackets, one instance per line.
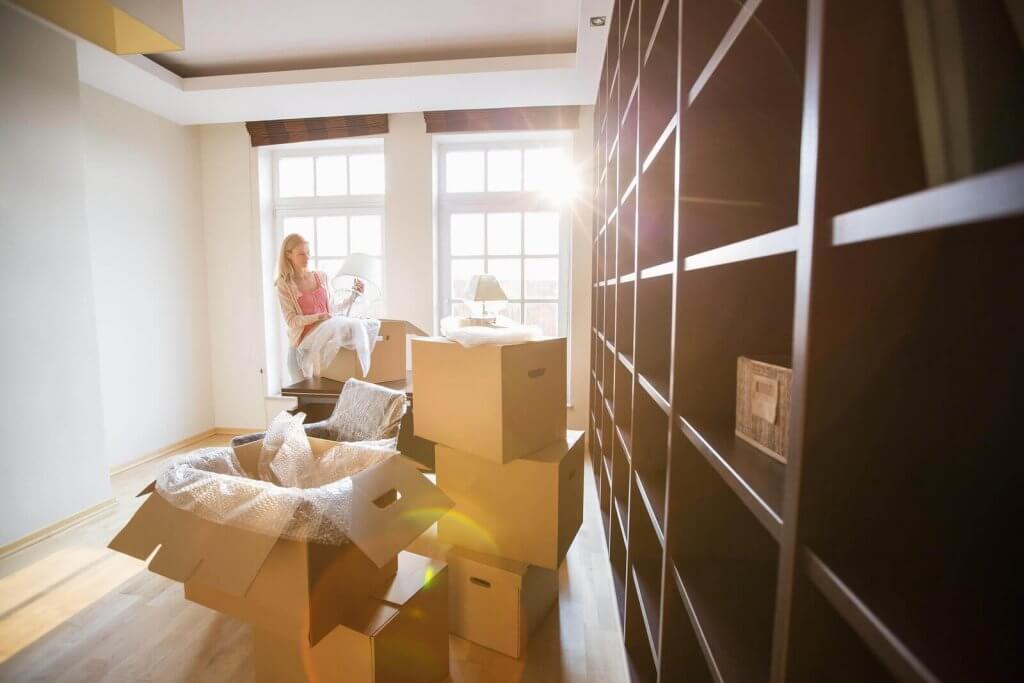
[763, 390]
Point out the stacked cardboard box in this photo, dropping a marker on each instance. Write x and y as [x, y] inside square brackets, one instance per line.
[362, 612]
[498, 416]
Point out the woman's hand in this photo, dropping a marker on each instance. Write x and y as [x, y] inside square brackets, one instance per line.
[359, 286]
[323, 316]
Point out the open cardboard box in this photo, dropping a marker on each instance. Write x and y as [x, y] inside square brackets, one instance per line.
[498, 402]
[527, 510]
[299, 590]
[387, 362]
[398, 635]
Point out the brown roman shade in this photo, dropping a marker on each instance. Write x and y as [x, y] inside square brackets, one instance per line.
[515, 118]
[323, 128]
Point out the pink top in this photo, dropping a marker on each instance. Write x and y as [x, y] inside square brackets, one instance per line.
[313, 302]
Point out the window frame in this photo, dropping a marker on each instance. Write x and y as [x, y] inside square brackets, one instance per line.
[347, 205]
[498, 201]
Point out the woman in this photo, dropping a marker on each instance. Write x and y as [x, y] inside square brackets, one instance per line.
[307, 300]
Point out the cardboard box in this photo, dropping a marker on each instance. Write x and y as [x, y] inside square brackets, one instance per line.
[527, 510]
[496, 602]
[399, 635]
[763, 397]
[498, 402]
[387, 362]
[297, 589]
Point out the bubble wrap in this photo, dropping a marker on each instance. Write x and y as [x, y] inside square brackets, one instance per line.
[366, 412]
[318, 349]
[211, 483]
[285, 449]
[505, 332]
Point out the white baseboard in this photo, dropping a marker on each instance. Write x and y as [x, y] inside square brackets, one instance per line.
[57, 527]
[184, 443]
[177, 445]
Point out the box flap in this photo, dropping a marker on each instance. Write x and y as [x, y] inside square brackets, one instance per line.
[383, 528]
[413, 329]
[189, 546]
[414, 572]
[141, 535]
[231, 557]
[146, 491]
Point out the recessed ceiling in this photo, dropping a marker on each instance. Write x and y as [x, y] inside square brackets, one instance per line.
[256, 60]
[252, 36]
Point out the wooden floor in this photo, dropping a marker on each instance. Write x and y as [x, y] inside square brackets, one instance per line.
[72, 610]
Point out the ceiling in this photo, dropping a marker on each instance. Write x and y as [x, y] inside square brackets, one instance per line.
[246, 36]
[251, 60]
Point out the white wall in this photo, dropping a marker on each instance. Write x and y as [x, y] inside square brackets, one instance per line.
[233, 276]
[409, 226]
[51, 415]
[149, 276]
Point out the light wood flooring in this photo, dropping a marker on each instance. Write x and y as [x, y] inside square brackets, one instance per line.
[72, 610]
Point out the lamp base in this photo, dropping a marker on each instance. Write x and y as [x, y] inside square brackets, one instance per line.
[485, 321]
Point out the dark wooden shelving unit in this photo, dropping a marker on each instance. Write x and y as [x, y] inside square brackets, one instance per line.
[767, 185]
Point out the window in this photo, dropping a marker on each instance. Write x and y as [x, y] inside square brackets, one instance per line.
[334, 197]
[503, 211]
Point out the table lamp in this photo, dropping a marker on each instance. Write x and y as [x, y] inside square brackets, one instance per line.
[363, 266]
[483, 288]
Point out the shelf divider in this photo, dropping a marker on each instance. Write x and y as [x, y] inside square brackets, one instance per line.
[755, 478]
[665, 135]
[985, 197]
[660, 270]
[702, 639]
[782, 241]
[900, 661]
[645, 618]
[741, 20]
[661, 399]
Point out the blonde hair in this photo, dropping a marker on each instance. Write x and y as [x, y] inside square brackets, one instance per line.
[285, 270]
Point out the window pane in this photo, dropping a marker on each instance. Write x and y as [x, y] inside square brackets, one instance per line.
[467, 234]
[367, 171]
[464, 172]
[462, 271]
[541, 278]
[331, 236]
[331, 176]
[542, 165]
[295, 177]
[366, 238]
[302, 225]
[507, 310]
[504, 170]
[329, 266]
[545, 316]
[503, 233]
[508, 274]
[541, 232]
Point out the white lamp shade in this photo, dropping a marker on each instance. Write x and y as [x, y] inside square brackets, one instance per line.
[363, 266]
[484, 288]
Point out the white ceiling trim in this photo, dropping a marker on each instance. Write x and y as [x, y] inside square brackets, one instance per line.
[530, 80]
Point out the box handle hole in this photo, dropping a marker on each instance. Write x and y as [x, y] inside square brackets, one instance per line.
[537, 372]
[479, 582]
[387, 499]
